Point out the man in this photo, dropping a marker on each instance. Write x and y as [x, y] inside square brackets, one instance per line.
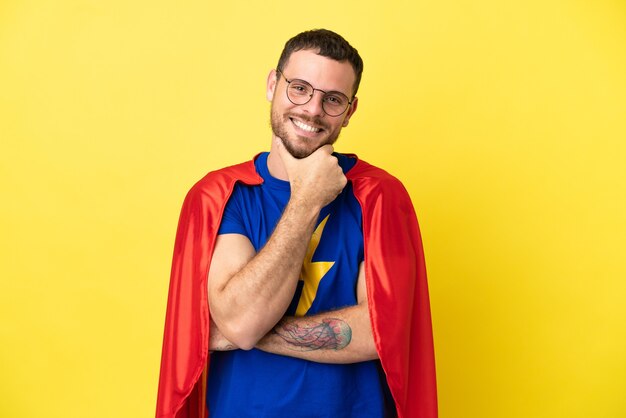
[302, 271]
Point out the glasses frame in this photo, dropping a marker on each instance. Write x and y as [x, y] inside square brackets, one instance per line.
[313, 94]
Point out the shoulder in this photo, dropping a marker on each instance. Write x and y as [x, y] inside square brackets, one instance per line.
[217, 179]
[218, 184]
[373, 180]
[244, 172]
[385, 202]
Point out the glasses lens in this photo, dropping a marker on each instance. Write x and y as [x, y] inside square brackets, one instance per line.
[299, 92]
[335, 103]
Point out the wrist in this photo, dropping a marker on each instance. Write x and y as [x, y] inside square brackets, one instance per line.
[303, 206]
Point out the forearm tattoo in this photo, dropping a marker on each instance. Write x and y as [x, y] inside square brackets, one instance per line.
[327, 334]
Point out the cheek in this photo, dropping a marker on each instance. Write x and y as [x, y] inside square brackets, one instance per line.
[280, 104]
[337, 126]
[332, 131]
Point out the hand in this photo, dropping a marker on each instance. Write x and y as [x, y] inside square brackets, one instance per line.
[315, 180]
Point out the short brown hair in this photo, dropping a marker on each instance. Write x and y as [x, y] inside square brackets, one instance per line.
[327, 44]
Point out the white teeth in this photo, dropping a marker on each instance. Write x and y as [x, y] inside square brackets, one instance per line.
[305, 127]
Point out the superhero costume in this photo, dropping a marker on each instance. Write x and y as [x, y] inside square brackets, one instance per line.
[396, 285]
[257, 384]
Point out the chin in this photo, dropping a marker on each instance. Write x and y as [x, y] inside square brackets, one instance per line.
[307, 147]
[298, 152]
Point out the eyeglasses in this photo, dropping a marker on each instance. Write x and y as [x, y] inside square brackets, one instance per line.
[300, 92]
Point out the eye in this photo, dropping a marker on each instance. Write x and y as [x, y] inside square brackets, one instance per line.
[299, 87]
[335, 99]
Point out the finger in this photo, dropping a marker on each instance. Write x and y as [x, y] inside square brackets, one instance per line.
[328, 149]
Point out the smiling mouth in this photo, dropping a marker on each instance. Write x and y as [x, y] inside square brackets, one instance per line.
[305, 127]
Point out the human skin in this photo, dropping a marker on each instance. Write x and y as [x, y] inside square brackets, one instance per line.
[248, 291]
[348, 338]
[323, 73]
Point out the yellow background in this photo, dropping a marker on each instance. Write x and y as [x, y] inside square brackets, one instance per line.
[505, 120]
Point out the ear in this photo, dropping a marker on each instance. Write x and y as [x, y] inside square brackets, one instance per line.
[271, 85]
[350, 111]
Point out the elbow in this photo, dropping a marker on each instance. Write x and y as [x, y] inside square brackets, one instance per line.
[242, 335]
[371, 354]
[243, 328]
[244, 343]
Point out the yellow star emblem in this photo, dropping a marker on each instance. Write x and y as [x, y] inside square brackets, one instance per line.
[312, 272]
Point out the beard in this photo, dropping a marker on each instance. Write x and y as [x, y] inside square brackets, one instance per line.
[279, 128]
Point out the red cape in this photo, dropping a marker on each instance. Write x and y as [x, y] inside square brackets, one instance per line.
[396, 286]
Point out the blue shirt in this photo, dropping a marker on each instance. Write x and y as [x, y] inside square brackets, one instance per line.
[263, 385]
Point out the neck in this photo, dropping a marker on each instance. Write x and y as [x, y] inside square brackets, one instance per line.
[275, 164]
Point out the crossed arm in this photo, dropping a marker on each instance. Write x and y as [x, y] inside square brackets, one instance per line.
[250, 292]
[340, 336]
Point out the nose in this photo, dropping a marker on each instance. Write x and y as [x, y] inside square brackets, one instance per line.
[314, 106]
